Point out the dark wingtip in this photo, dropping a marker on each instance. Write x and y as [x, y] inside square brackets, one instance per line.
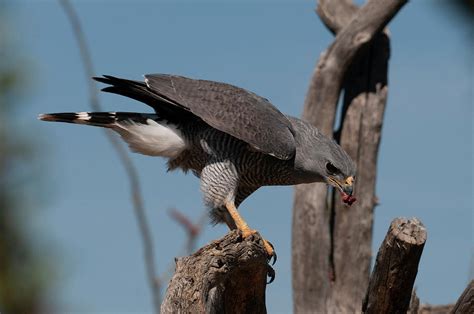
[109, 89]
[102, 79]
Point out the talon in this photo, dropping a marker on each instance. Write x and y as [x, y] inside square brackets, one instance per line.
[247, 232]
[270, 251]
[270, 274]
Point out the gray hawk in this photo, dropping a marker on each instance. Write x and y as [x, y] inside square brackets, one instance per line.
[233, 140]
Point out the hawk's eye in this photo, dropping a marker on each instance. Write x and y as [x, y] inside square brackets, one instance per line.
[331, 169]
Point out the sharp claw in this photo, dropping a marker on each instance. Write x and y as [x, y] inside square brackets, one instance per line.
[270, 274]
[274, 255]
[269, 243]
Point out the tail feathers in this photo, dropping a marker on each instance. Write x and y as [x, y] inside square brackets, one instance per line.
[102, 119]
[144, 133]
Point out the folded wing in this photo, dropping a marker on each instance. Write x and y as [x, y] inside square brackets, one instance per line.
[230, 109]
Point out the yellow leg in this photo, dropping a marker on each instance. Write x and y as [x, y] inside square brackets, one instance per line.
[244, 228]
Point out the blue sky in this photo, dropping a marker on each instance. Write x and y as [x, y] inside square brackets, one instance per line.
[86, 220]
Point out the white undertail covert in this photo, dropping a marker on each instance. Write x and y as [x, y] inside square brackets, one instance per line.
[152, 139]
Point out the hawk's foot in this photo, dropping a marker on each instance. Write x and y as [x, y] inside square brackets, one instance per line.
[266, 244]
[246, 231]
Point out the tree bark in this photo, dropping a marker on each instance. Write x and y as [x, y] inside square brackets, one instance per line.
[357, 61]
[226, 276]
[391, 284]
[414, 303]
[465, 303]
[365, 96]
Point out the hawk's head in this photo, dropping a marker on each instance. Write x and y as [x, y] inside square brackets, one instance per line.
[322, 159]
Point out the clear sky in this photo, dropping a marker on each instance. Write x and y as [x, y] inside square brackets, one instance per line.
[86, 220]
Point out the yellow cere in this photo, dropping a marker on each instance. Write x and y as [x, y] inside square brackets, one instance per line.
[350, 180]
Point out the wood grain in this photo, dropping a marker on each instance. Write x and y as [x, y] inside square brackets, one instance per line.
[226, 276]
[391, 283]
[328, 239]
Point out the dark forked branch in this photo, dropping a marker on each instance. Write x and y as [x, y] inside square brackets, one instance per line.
[391, 284]
[135, 190]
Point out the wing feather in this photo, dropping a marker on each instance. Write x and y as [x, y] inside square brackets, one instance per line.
[230, 109]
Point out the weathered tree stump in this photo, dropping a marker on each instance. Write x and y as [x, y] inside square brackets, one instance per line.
[391, 283]
[226, 276]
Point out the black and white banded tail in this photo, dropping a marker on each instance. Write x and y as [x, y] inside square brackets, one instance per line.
[145, 133]
[102, 119]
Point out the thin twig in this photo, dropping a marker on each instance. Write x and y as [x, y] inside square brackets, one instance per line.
[192, 229]
[130, 169]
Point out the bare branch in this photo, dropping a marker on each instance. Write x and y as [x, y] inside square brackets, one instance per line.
[193, 229]
[134, 181]
[325, 86]
[190, 228]
[396, 266]
[336, 14]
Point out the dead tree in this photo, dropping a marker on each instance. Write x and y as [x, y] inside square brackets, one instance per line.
[329, 240]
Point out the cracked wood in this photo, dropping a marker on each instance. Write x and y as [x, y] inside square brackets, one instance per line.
[226, 276]
[396, 266]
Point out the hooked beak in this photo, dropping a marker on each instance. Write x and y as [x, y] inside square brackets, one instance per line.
[345, 187]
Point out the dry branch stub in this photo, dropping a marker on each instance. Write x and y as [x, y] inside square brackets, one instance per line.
[391, 283]
[226, 276]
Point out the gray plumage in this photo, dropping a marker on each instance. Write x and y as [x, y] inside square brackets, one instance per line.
[235, 141]
[230, 109]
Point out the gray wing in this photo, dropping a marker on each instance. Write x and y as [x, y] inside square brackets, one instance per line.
[230, 109]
